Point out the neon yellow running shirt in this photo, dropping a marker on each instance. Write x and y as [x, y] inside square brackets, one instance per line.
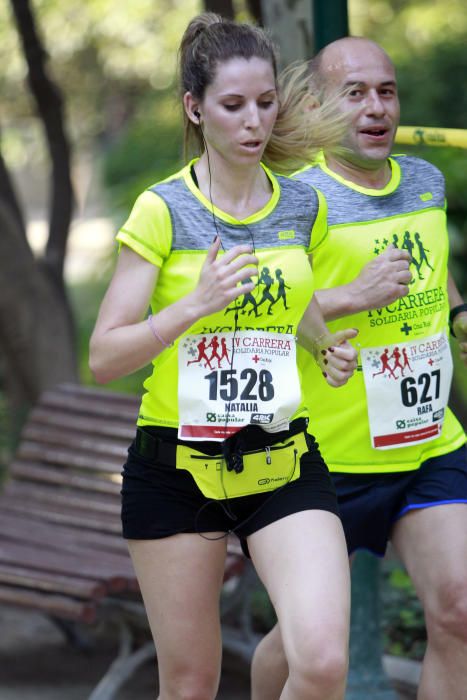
[410, 213]
[171, 225]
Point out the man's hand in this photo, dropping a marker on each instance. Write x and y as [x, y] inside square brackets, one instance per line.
[384, 279]
[459, 326]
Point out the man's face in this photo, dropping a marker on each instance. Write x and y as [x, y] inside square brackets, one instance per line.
[366, 74]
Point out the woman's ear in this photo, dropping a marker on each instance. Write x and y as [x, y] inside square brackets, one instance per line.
[191, 107]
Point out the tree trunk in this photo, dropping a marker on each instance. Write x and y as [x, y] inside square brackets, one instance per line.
[254, 7]
[36, 328]
[8, 196]
[49, 106]
[290, 22]
[220, 7]
[35, 339]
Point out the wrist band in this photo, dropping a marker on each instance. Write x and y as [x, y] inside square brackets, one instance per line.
[453, 313]
[156, 334]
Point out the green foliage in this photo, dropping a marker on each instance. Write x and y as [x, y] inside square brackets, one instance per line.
[104, 56]
[427, 88]
[402, 615]
[460, 374]
[148, 151]
[262, 611]
[85, 299]
[407, 27]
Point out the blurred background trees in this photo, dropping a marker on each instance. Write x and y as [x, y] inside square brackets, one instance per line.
[90, 117]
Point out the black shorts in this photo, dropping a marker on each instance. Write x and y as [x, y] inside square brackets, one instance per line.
[370, 504]
[159, 500]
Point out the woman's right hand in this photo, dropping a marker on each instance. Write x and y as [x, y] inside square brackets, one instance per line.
[224, 278]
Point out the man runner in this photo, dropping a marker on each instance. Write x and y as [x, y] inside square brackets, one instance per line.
[396, 451]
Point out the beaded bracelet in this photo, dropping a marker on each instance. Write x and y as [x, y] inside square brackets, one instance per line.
[156, 334]
[453, 313]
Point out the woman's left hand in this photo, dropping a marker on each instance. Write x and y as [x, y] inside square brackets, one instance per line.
[338, 360]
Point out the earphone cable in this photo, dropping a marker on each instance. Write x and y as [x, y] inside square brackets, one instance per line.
[226, 505]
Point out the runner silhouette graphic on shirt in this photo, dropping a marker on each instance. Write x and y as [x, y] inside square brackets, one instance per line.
[281, 294]
[202, 347]
[422, 252]
[409, 246]
[396, 356]
[224, 352]
[266, 280]
[419, 259]
[248, 298]
[406, 361]
[214, 345]
[385, 366]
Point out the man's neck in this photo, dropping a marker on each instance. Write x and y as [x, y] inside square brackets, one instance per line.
[375, 179]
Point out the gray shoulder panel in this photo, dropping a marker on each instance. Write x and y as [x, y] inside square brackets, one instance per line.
[421, 187]
[195, 228]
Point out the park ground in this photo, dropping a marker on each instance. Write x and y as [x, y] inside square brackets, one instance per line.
[36, 663]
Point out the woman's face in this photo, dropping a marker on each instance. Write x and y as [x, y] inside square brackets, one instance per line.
[239, 109]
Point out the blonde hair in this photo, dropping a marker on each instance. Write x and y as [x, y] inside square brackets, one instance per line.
[303, 126]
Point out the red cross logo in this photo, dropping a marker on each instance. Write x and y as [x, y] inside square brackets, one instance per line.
[256, 359]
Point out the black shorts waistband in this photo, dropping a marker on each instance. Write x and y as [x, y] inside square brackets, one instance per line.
[151, 446]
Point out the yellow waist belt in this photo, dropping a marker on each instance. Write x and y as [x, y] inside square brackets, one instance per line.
[264, 469]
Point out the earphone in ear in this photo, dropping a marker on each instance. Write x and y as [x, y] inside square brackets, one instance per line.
[197, 114]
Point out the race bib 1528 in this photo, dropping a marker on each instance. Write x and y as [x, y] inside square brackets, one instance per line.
[230, 380]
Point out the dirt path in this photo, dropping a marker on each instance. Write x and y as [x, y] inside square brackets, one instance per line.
[36, 664]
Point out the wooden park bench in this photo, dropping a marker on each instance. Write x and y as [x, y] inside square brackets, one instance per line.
[61, 550]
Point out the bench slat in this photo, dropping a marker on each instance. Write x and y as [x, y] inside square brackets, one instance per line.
[96, 393]
[45, 581]
[90, 566]
[73, 518]
[60, 606]
[70, 458]
[81, 423]
[105, 407]
[28, 471]
[69, 540]
[58, 499]
[15, 526]
[75, 440]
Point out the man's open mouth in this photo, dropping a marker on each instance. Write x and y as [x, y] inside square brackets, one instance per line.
[380, 131]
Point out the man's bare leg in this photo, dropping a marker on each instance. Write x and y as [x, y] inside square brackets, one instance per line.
[432, 544]
[269, 669]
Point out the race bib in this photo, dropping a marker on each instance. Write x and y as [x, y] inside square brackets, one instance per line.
[230, 380]
[407, 387]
